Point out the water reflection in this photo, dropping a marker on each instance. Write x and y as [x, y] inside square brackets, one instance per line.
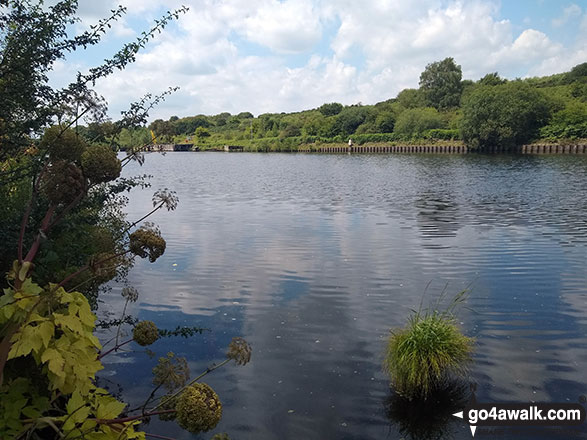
[431, 418]
[314, 258]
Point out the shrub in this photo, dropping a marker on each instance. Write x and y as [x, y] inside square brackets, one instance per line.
[413, 123]
[570, 123]
[430, 350]
[442, 134]
[508, 115]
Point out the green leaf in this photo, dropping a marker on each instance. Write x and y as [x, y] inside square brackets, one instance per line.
[70, 322]
[108, 407]
[54, 361]
[46, 332]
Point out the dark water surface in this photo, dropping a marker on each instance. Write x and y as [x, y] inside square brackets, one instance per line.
[313, 259]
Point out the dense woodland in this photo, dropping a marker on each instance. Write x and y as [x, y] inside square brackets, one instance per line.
[488, 112]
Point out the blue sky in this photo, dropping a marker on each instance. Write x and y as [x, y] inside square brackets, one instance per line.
[290, 55]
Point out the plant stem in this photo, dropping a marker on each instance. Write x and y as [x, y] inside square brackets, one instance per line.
[144, 217]
[132, 418]
[209, 370]
[121, 319]
[116, 347]
[30, 256]
[162, 437]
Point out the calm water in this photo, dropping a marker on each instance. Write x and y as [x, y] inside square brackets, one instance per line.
[313, 259]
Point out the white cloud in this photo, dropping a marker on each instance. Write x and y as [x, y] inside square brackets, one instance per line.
[568, 14]
[343, 50]
[291, 26]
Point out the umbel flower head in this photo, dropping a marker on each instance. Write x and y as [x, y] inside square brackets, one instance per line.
[147, 242]
[171, 372]
[145, 333]
[198, 408]
[63, 182]
[239, 350]
[63, 143]
[130, 293]
[167, 197]
[100, 164]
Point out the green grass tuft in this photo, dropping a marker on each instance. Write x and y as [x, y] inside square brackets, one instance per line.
[428, 351]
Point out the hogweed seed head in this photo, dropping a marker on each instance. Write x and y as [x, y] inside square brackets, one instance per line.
[63, 144]
[100, 164]
[172, 372]
[147, 242]
[198, 408]
[145, 333]
[130, 293]
[63, 182]
[239, 350]
[167, 197]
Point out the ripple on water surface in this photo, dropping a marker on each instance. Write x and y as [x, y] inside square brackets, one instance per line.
[313, 259]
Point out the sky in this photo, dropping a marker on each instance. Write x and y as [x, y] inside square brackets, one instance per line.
[271, 56]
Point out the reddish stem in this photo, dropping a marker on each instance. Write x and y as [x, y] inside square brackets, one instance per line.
[159, 436]
[116, 347]
[30, 256]
[132, 418]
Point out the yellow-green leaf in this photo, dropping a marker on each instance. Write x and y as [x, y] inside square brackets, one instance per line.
[109, 408]
[46, 332]
[54, 361]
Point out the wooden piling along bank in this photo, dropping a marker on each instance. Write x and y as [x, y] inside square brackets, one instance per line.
[453, 149]
[553, 149]
[450, 149]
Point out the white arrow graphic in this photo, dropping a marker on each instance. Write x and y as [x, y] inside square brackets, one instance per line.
[460, 416]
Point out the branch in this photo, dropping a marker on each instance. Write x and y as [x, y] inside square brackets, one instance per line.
[144, 217]
[132, 418]
[115, 348]
[162, 437]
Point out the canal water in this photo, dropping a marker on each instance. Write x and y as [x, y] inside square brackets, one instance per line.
[313, 259]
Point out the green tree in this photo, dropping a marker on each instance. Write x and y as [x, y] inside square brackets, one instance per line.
[349, 119]
[384, 122]
[441, 84]
[569, 123]
[491, 79]
[164, 130]
[411, 124]
[506, 115]
[411, 98]
[578, 72]
[202, 133]
[330, 109]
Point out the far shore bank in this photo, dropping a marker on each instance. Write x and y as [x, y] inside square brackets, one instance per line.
[445, 147]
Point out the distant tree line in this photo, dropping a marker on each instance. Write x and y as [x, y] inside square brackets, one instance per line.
[488, 112]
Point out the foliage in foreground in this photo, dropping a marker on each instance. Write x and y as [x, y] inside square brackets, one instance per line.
[62, 220]
[428, 351]
[47, 380]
